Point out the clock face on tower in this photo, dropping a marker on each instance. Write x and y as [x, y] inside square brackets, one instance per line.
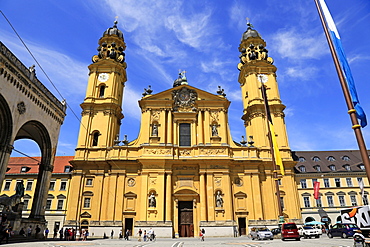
[103, 77]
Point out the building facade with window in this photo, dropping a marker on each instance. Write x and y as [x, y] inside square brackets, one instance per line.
[183, 171]
[24, 169]
[340, 174]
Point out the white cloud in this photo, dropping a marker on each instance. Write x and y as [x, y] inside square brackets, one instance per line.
[299, 45]
[301, 72]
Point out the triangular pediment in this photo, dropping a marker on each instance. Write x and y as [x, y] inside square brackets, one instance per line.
[203, 98]
[240, 194]
[85, 215]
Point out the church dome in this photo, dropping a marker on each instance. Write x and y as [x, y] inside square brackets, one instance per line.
[250, 33]
[114, 31]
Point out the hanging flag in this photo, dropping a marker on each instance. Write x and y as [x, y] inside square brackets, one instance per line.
[316, 188]
[362, 186]
[344, 63]
[278, 160]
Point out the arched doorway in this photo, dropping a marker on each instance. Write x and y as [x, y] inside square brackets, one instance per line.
[6, 127]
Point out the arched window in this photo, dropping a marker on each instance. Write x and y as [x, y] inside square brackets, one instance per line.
[345, 158]
[95, 139]
[101, 91]
[317, 168]
[302, 169]
[316, 159]
[331, 158]
[301, 159]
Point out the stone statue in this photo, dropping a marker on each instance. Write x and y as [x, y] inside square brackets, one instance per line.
[155, 130]
[19, 189]
[219, 200]
[152, 201]
[214, 130]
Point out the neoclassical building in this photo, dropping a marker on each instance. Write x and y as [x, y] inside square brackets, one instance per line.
[183, 171]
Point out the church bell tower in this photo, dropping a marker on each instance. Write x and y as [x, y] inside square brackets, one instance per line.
[101, 109]
[256, 68]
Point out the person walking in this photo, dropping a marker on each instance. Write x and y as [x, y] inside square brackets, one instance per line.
[139, 233]
[145, 236]
[29, 231]
[38, 230]
[203, 232]
[61, 234]
[120, 234]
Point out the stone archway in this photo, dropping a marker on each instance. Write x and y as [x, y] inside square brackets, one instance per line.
[28, 110]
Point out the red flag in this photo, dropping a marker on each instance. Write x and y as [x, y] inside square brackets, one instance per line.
[316, 188]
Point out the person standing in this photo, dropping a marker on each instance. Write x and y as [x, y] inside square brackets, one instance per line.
[61, 234]
[29, 231]
[46, 233]
[38, 230]
[145, 236]
[111, 234]
[120, 234]
[55, 236]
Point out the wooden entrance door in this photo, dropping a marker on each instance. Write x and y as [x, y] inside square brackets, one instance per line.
[186, 226]
[242, 226]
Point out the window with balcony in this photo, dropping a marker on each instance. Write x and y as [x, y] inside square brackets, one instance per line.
[353, 200]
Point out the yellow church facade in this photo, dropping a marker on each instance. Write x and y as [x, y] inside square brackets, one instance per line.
[184, 171]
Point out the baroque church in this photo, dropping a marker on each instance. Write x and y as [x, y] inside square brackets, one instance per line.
[183, 172]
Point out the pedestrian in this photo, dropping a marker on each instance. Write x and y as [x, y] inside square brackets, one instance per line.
[46, 233]
[127, 233]
[5, 234]
[61, 234]
[55, 236]
[111, 234]
[140, 232]
[66, 234]
[145, 236]
[22, 232]
[120, 234]
[86, 235]
[203, 233]
[29, 231]
[38, 230]
[150, 233]
[78, 235]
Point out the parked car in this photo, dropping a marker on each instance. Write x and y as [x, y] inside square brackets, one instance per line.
[261, 233]
[309, 231]
[276, 231]
[289, 230]
[343, 230]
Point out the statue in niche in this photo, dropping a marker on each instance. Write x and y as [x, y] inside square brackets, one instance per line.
[152, 200]
[219, 200]
[155, 130]
[214, 130]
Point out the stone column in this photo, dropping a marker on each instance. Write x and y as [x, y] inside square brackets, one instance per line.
[203, 201]
[176, 218]
[168, 196]
[200, 128]
[169, 127]
[41, 191]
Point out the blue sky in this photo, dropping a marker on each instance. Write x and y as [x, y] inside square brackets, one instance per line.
[201, 37]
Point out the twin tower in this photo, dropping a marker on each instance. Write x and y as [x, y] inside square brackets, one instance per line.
[184, 171]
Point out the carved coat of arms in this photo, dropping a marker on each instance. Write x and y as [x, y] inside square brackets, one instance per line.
[184, 99]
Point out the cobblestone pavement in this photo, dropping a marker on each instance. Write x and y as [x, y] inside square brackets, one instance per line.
[324, 241]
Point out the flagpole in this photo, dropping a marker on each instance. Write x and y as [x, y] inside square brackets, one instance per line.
[275, 175]
[351, 111]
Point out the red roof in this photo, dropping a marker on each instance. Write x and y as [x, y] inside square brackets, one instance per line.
[16, 163]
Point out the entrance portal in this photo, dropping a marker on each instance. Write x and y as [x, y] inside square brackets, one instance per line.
[242, 226]
[186, 226]
[129, 222]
